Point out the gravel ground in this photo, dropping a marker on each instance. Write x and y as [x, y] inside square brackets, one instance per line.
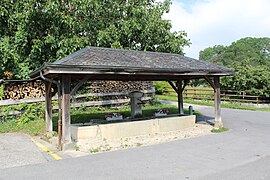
[96, 146]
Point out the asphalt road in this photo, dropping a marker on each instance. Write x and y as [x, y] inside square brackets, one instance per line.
[241, 153]
[18, 150]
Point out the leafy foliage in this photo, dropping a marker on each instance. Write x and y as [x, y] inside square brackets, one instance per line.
[36, 31]
[250, 57]
[31, 120]
[29, 112]
[2, 90]
[160, 87]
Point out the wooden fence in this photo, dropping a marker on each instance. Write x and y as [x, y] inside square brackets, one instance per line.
[148, 94]
[85, 100]
[226, 95]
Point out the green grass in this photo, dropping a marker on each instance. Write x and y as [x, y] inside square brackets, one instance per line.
[173, 97]
[34, 128]
[219, 130]
[32, 122]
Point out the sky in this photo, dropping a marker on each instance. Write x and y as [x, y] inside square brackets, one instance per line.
[219, 22]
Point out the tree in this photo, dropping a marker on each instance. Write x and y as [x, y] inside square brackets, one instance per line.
[213, 54]
[36, 31]
[250, 57]
[254, 50]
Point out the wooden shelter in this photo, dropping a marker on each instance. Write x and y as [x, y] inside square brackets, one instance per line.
[95, 63]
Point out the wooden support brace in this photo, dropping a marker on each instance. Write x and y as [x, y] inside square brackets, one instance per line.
[74, 90]
[173, 86]
[210, 82]
[185, 84]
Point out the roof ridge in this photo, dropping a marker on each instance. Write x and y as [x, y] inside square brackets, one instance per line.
[150, 52]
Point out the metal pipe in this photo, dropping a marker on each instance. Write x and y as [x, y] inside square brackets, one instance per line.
[59, 108]
[190, 110]
[3, 81]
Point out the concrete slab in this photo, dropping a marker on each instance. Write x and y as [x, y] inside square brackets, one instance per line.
[129, 129]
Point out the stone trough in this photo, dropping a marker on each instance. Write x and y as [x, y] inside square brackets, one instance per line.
[130, 128]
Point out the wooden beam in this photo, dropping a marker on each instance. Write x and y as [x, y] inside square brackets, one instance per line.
[173, 86]
[66, 135]
[74, 90]
[218, 121]
[180, 97]
[133, 77]
[185, 84]
[209, 81]
[103, 103]
[48, 106]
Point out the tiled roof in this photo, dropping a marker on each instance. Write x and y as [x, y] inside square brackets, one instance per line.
[108, 57]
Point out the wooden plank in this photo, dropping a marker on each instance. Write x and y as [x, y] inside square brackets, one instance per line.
[15, 102]
[198, 89]
[240, 96]
[48, 106]
[112, 94]
[192, 89]
[33, 100]
[66, 136]
[100, 103]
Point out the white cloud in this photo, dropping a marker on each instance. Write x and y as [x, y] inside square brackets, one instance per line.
[215, 22]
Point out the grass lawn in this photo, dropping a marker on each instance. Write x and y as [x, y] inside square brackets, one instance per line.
[33, 128]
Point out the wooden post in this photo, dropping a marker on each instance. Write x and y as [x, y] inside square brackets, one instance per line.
[66, 136]
[180, 97]
[59, 115]
[48, 107]
[218, 121]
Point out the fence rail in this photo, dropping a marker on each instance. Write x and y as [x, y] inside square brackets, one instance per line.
[149, 94]
[34, 100]
[226, 95]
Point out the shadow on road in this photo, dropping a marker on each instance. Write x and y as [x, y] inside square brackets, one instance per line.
[207, 119]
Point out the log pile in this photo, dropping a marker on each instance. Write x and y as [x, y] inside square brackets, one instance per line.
[36, 89]
[117, 86]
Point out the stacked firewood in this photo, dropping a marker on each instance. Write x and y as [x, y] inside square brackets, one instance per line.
[117, 86]
[16, 91]
[36, 89]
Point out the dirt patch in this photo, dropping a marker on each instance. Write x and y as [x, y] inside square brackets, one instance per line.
[102, 145]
